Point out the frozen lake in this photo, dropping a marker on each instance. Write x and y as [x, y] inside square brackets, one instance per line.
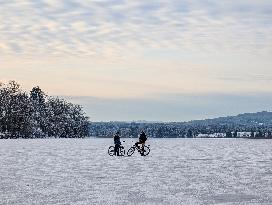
[177, 171]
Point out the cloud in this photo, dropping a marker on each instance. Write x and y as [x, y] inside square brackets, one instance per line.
[131, 49]
[104, 28]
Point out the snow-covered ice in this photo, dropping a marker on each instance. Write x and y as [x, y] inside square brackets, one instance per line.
[177, 171]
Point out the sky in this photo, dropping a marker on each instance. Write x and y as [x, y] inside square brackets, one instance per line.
[156, 60]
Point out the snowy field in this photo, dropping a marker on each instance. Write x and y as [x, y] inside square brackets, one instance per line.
[177, 171]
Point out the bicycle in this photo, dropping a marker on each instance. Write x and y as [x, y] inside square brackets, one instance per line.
[144, 151]
[121, 150]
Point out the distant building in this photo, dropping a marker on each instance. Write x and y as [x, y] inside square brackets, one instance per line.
[243, 134]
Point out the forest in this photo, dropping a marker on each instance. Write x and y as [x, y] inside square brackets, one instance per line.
[248, 125]
[34, 114]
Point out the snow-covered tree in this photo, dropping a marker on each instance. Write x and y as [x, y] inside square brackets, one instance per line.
[37, 115]
[15, 110]
[66, 119]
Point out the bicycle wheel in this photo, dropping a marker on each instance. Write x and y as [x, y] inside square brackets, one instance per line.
[130, 151]
[146, 151]
[111, 151]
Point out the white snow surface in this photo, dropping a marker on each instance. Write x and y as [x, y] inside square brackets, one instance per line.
[177, 171]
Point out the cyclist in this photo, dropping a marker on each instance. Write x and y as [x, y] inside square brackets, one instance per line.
[142, 139]
[117, 143]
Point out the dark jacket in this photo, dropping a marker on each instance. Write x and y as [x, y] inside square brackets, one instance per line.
[117, 139]
[143, 137]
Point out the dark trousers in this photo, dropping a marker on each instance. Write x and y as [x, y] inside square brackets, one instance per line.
[116, 149]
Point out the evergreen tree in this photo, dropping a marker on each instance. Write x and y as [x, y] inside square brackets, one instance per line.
[228, 134]
[15, 111]
[37, 115]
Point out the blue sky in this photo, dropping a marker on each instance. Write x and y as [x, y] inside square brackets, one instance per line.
[152, 60]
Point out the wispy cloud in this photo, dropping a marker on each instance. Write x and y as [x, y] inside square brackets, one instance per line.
[136, 55]
[111, 28]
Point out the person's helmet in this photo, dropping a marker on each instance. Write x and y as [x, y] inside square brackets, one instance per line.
[118, 132]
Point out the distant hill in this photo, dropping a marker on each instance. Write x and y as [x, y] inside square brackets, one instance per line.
[259, 125]
[263, 118]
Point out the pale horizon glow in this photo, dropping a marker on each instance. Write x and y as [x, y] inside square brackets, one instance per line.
[129, 51]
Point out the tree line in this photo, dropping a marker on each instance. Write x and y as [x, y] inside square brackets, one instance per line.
[37, 115]
[181, 130]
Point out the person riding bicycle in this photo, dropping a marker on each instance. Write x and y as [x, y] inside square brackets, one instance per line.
[142, 139]
[117, 143]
